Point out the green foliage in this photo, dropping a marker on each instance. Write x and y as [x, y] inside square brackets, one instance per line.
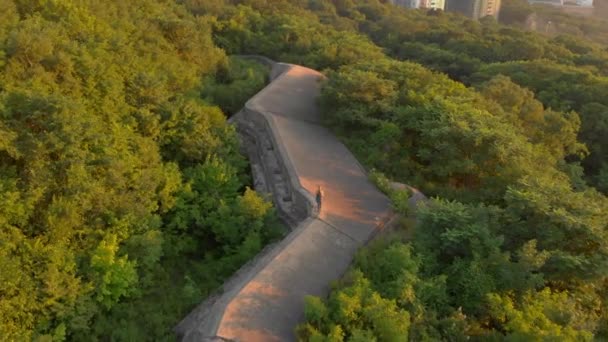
[591, 28]
[515, 11]
[541, 315]
[512, 153]
[289, 35]
[102, 130]
[358, 310]
[399, 196]
[383, 298]
[114, 276]
[552, 82]
[465, 49]
[123, 198]
[434, 131]
[235, 83]
[573, 227]
[400, 200]
[380, 180]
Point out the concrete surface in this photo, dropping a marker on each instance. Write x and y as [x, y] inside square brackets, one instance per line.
[266, 301]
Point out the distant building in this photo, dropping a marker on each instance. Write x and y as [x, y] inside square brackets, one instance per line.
[434, 4]
[406, 3]
[474, 9]
[548, 2]
[430, 4]
[581, 3]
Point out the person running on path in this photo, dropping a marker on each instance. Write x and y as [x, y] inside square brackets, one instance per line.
[320, 195]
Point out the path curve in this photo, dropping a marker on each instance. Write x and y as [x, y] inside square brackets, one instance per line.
[265, 300]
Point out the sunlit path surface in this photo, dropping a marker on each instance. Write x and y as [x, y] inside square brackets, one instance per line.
[269, 303]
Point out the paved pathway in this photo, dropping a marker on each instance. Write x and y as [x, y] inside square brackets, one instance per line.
[271, 303]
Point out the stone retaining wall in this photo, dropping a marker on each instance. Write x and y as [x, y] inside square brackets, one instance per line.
[269, 170]
[270, 166]
[273, 175]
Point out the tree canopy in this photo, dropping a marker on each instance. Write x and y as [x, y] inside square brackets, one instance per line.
[122, 186]
[504, 126]
[124, 200]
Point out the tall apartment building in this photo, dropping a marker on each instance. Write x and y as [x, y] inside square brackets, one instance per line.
[474, 9]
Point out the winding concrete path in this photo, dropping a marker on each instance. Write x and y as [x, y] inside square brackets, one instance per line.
[267, 302]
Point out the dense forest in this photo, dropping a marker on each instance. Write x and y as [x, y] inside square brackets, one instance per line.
[125, 199]
[510, 137]
[123, 195]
